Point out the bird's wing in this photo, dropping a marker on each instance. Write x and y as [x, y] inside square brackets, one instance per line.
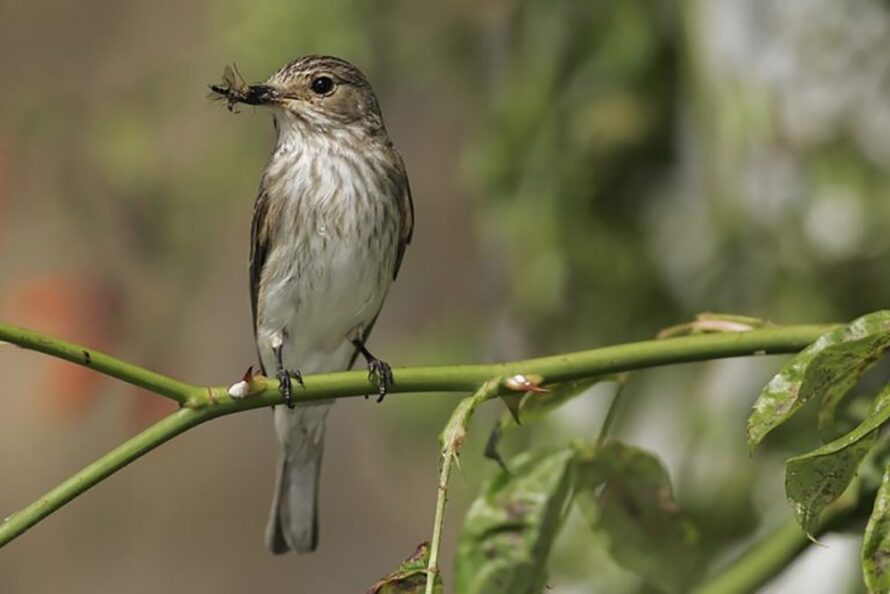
[259, 247]
[406, 231]
[406, 213]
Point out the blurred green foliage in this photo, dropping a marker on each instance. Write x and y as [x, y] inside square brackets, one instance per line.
[578, 130]
[628, 164]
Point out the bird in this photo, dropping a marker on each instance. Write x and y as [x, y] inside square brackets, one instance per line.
[332, 218]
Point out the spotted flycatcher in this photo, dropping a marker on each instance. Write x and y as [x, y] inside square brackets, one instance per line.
[331, 221]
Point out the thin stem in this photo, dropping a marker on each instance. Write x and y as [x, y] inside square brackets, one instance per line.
[452, 438]
[432, 570]
[611, 413]
[770, 556]
[761, 563]
[130, 450]
[133, 374]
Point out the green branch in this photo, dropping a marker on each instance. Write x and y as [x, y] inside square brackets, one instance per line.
[451, 440]
[771, 555]
[88, 477]
[87, 357]
[452, 378]
[764, 560]
[201, 404]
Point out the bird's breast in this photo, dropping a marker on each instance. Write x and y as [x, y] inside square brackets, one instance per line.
[334, 250]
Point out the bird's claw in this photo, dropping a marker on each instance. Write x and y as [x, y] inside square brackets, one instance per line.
[383, 372]
[285, 385]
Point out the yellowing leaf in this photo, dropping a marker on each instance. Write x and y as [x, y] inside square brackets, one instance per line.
[409, 577]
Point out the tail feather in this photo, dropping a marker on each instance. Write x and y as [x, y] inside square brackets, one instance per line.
[274, 533]
[293, 522]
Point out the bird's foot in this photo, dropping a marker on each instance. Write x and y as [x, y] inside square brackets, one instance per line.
[376, 367]
[286, 386]
[383, 372]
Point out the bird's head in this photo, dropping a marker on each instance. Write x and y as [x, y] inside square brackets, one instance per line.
[319, 93]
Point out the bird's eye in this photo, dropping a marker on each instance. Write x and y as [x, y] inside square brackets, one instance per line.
[322, 85]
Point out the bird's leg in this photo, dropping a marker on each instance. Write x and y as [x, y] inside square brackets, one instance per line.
[284, 376]
[376, 367]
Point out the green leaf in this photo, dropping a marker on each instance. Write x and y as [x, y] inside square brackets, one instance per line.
[876, 542]
[829, 367]
[507, 535]
[626, 496]
[838, 414]
[409, 577]
[815, 479]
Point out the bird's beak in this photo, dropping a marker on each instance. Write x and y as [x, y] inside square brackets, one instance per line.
[261, 94]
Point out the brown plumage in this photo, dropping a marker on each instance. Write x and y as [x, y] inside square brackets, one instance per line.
[331, 222]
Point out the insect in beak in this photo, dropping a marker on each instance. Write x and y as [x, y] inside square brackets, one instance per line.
[233, 90]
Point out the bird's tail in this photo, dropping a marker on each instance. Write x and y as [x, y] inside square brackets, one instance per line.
[293, 522]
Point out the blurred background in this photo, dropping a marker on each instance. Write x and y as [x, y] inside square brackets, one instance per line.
[584, 173]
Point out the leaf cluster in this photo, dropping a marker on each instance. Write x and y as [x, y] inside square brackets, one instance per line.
[818, 482]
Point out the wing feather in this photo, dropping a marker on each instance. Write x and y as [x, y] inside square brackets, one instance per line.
[406, 212]
[259, 248]
[406, 232]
